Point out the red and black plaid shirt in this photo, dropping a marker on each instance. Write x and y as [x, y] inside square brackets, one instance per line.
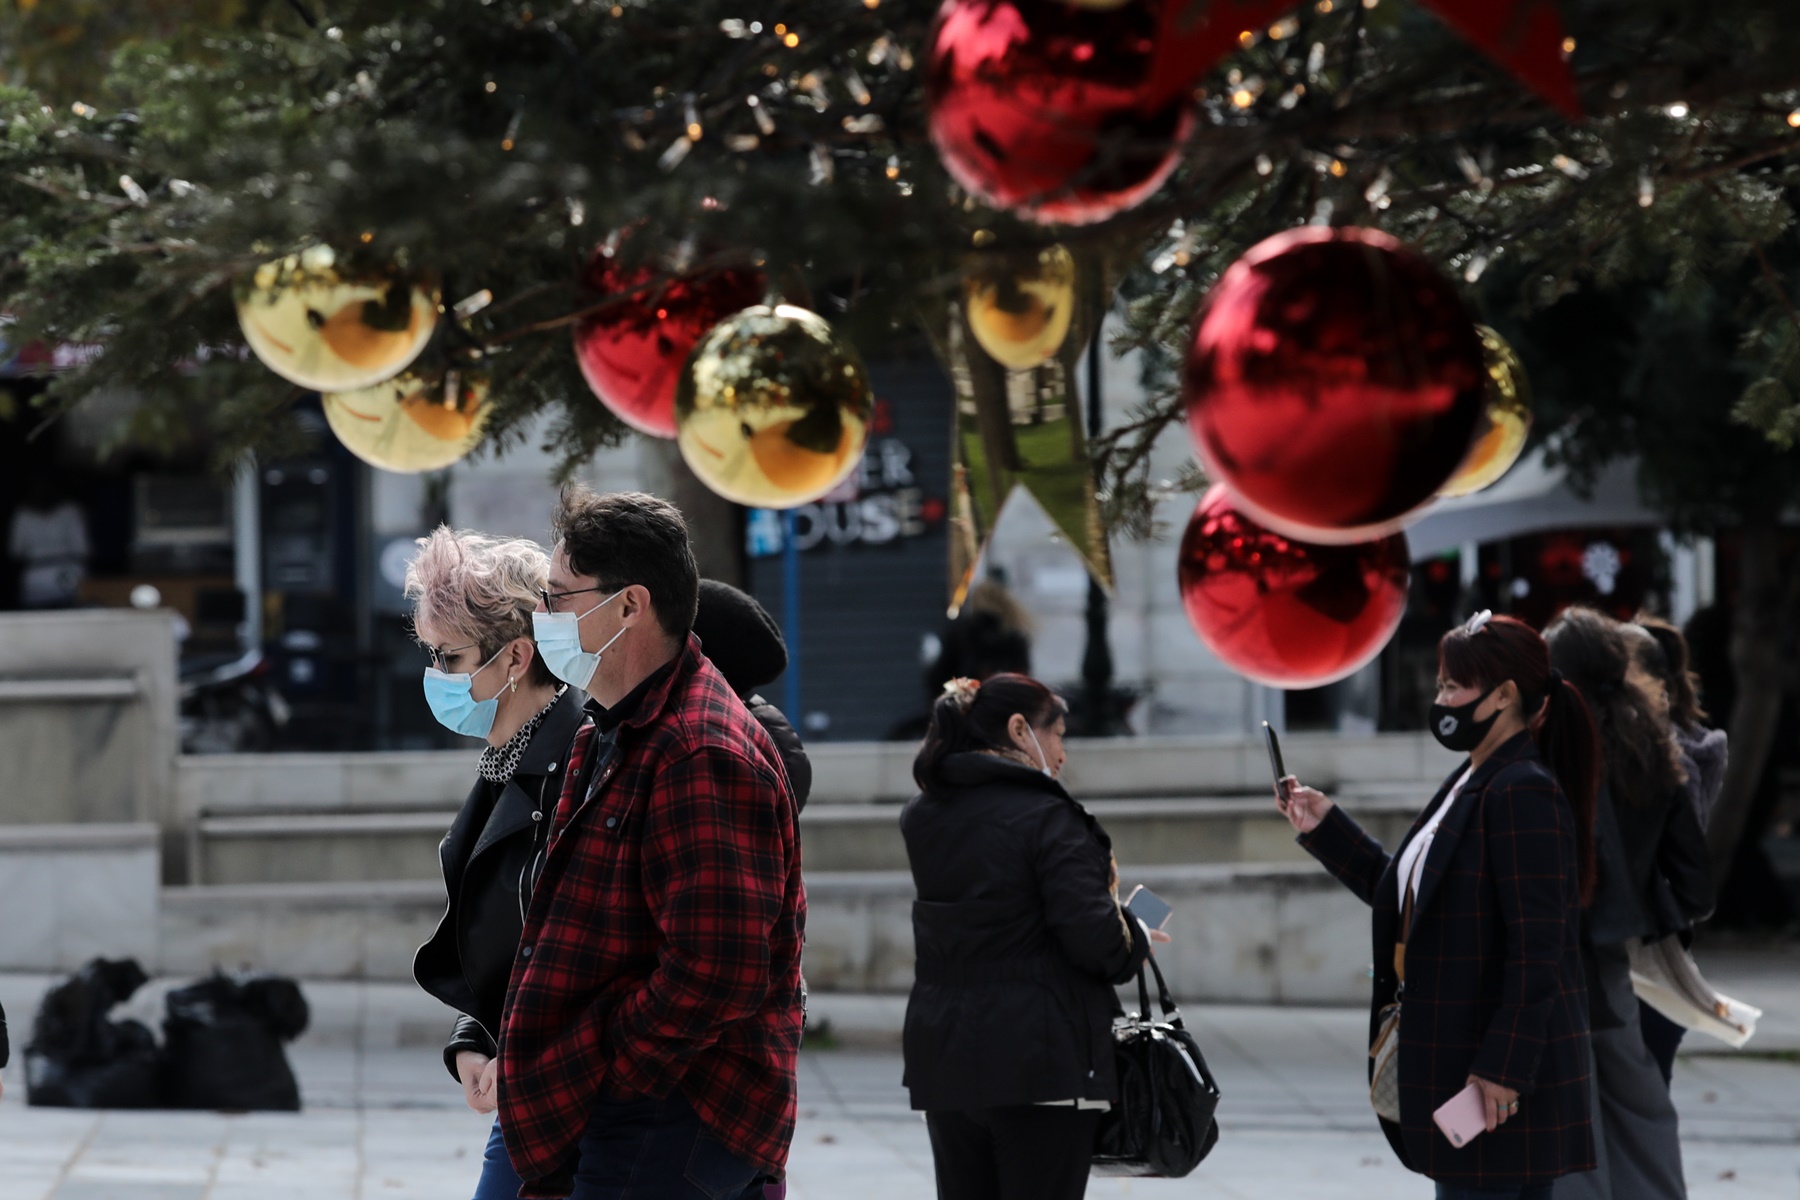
[661, 949]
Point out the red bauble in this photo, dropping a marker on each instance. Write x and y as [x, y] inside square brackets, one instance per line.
[1282, 612]
[1335, 382]
[1044, 108]
[631, 353]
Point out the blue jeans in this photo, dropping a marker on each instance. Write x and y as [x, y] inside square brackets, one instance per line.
[1535, 1191]
[637, 1150]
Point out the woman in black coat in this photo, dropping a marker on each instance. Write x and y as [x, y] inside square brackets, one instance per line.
[1492, 877]
[474, 596]
[1019, 938]
[1653, 877]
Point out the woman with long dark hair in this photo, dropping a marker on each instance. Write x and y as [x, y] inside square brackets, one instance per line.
[1019, 936]
[1474, 922]
[1661, 651]
[1652, 871]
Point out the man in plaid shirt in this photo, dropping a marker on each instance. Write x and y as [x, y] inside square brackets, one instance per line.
[652, 1025]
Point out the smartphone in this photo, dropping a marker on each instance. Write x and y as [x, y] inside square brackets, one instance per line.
[1463, 1117]
[1275, 763]
[1148, 907]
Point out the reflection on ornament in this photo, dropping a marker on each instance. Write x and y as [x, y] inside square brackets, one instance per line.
[1286, 613]
[632, 352]
[772, 409]
[409, 424]
[1042, 108]
[1019, 311]
[1505, 420]
[1334, 382]
[323, 327]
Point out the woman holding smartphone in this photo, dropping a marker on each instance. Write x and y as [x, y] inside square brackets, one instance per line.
[1019, 937]
[1476, 923]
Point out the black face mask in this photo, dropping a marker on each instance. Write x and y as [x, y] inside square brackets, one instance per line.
[1457, 729]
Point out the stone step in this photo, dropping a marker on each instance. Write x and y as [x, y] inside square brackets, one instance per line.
[1258, 934]
[345, 846]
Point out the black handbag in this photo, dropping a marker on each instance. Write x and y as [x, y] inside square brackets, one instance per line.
[1163, 1123]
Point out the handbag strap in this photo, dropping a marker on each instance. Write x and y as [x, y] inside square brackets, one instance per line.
[1162, 988]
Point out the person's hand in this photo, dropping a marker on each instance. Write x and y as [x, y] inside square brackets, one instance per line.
[1157, 935]
[1305, 807]
[480, 1075]
[1502, 1103]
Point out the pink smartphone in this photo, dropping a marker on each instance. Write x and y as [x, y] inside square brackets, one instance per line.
[1463, 1117]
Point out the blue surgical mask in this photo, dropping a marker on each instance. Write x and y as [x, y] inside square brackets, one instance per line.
[453, 703]
[559, 644]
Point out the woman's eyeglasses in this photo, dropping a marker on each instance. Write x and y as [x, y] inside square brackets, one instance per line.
[550, 598]
[441, 658]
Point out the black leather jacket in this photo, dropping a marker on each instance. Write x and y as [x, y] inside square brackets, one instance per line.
[486, 858]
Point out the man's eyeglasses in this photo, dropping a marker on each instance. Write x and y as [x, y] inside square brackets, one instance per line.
[441, 658]
[550, 598]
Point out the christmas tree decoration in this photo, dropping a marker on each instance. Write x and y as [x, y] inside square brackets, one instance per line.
[410, 424]
[1287, 613]
[1334, 382]
[1505, 420]
[631, 353]
[1040, 107]
[772, 409]
[1020, 431]
[1019, 311]
[325, 327]
[1524, 36]
[1193, 35]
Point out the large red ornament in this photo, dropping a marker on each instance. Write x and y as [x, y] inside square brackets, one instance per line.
[1043, 107]
[631, 353]
[1335, 382]
[1287, 613]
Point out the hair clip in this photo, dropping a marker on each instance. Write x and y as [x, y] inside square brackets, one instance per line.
[1478, 622]
[962, 690]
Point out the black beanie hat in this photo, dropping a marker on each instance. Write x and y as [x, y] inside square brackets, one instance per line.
[740, 636]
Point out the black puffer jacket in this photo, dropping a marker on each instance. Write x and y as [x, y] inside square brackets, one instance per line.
[1018, 942]
[5, 1049]
[485, 857]
[787, 744]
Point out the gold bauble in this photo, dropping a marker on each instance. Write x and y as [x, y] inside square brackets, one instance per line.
[318, 325]
[772, 409]
[410, 424]
[1019, 309]
[1505, 423]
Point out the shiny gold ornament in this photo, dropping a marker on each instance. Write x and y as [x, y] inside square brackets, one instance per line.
[317, 325]
[1505, 423]
[1019, 310]
[772, 409]
[409, 424]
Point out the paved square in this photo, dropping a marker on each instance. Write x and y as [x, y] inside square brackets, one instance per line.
[385, 1122]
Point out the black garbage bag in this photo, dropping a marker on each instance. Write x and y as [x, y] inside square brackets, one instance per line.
[77, 1058]
[223, 1043]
